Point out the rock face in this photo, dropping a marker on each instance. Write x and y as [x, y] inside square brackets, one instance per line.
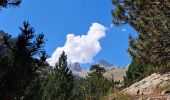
[105, 64]
[81, 74]
[111, 71]
[148, 85]
[166, 92]
[116, 72]
[75, 67]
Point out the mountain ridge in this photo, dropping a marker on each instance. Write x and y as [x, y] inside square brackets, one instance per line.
[111, 71]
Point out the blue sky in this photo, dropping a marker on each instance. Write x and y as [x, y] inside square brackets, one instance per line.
[57, 18]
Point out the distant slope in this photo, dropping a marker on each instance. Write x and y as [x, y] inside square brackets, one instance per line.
[111, 71]
[116, 72]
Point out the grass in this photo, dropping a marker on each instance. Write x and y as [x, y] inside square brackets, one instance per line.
[118, 95]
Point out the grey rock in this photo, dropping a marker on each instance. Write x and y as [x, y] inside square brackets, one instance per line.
[75, 67]
[149, 84]
[105, 64]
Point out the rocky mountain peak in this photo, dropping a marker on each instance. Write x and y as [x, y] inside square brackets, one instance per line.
[105, 64]
[75, 67]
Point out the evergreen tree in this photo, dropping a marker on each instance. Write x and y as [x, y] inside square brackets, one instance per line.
[134, 73]
[96, 86]
[97, 70]
[33, 91]
[79, 92]
[60, 83]
[17, 63]
[151, 18]
[9, 3]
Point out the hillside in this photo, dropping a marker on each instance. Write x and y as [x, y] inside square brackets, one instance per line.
[116, 72]
[149, 85]
[111, 71]
[153, 87]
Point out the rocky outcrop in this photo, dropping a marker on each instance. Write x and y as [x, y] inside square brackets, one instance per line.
[117, 73]
[166, 92]
[148, 85]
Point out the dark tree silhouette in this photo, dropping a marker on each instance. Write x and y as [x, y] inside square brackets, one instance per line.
[9, 3]
[17, 63]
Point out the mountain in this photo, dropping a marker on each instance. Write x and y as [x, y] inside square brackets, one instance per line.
[111, 71]
[75, 67]
[105, 64]
[115, 72]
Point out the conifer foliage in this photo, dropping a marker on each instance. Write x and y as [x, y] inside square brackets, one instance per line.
[60, 83]
[151, 18]
[17, 63]
[96, 85]
[9, 3]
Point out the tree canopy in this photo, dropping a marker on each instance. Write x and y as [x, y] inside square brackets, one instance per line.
[9, 3]
[18, 64]
[151, 18]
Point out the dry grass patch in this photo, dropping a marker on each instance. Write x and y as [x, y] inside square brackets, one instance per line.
[118, 95]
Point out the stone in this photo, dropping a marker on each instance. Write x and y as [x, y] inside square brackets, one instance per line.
[148, 85]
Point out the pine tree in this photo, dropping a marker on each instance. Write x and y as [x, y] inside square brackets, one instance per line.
[17, 63]
[151, 18]
[97, 70]
[9, 3]
[65, 77]
[33, 91]
[134, 73]
[96, 85]
[60, 83]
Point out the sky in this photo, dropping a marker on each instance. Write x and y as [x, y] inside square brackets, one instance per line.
[82, 28]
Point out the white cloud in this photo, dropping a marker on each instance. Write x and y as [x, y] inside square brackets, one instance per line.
[124, 30]
[81, 48]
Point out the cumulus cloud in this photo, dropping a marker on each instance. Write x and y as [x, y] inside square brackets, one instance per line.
[81, 48]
